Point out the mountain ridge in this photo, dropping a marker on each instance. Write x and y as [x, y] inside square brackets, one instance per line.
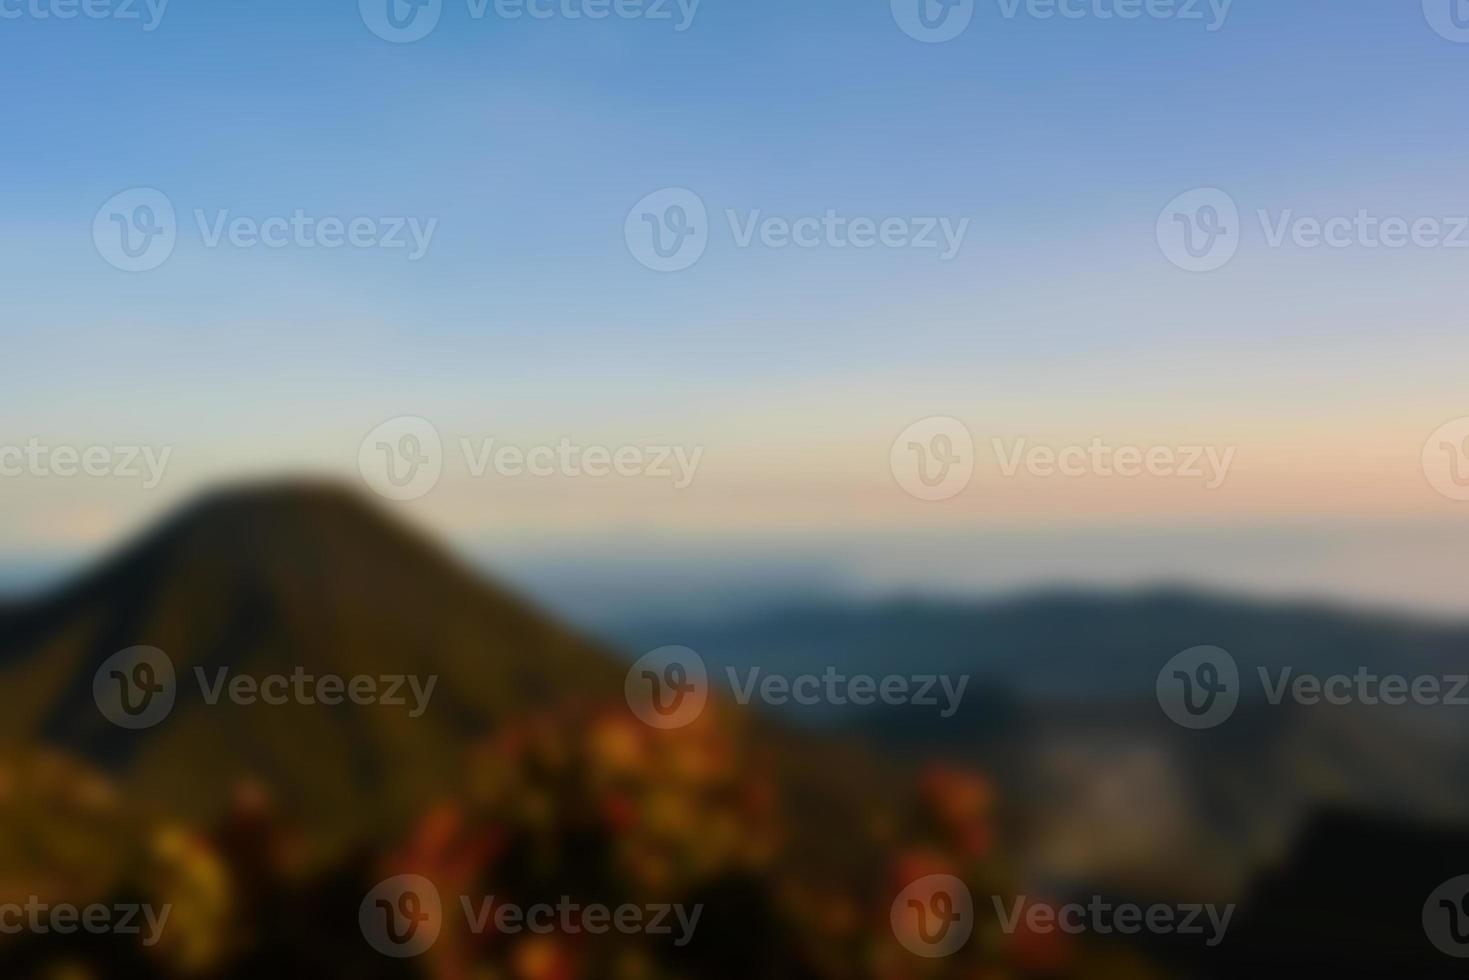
[1065, 643]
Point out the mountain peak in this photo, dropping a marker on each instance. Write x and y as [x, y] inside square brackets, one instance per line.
[282, 535]
[282, 494]
[304, 507]
[271, 579]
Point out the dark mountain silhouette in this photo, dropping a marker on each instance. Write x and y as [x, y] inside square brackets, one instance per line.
[264, 580]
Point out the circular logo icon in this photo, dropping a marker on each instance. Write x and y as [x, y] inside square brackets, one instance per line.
[1450, 18]
[136, 231]
[1200, 231]
[402, 916]
[668, 230]
[933, 459]
[933, 916]
[667, 688]
[401, 21]
[1446, 917]
[402, 459]
[135, 688]
[1199, 688]
[933, 21]
[1446, 459]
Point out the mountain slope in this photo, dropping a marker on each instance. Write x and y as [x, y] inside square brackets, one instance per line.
[263, 581]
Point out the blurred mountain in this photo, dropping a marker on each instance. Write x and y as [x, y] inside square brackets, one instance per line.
[271, 579]
[1063, 645]
[265, 580]
[528, 778]
[1061, 709]
[529, 754]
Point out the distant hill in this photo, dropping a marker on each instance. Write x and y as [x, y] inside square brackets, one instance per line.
[263, 580]
[1062, 646]
[1062, 708]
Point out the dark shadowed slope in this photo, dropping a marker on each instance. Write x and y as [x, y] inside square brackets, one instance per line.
[265, 580]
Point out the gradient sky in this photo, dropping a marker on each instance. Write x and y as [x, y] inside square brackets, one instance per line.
[528, 320]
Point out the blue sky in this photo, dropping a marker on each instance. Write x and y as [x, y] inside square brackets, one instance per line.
[529, 141]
